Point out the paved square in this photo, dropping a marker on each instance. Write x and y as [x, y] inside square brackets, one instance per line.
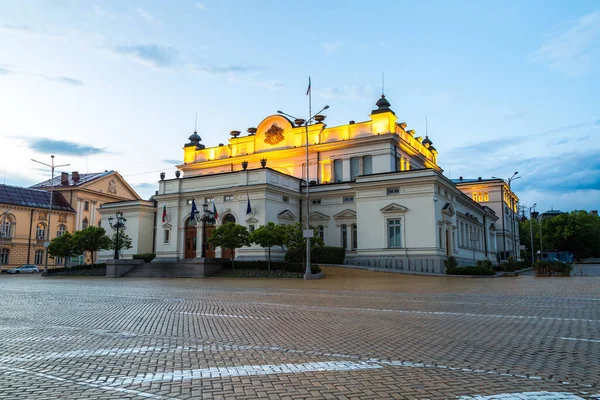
[355, 334]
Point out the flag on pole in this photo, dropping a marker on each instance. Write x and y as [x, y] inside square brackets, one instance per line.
[248, 208]
[214, 207]
[194, 209]
[308, 90]
[164, 215]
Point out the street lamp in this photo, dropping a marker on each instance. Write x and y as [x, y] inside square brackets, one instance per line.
[208, 216]
[47, 242]
[514, 177]
[307, 232]
[117, 225]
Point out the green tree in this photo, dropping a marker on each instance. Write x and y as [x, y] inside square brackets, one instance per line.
[577, 232]
[294, 239]
[268, 235]
[124, 241]
[230, 236]
[90, 239]
[62, 246]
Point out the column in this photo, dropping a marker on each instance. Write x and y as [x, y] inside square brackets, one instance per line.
[199, 240]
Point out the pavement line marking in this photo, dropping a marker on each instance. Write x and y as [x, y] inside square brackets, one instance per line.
[429, 312]
[245, 370]
[526, 396]
[580, 339]
[223, 315]
[89, 384]
[80, 353]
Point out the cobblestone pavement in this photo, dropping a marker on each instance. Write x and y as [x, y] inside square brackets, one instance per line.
[355, 334]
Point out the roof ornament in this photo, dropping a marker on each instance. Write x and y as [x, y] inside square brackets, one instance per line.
[383, 105]
[195, 138]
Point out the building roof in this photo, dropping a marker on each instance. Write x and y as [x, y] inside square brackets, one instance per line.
[473, 180]
[83, 179]
[36, 198]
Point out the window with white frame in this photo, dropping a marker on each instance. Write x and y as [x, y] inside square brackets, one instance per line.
[394, 232]
[209, 200]
[285, 199]
[251, 228]
[167, 236]
[354, 168]
[40, 231]
[316, 201]
[348, 199]
[354, 237]
[345, 236]
[320, 231]
[228, 197]
[393, 190]
[59, 260]
[39, 257]
[367, 165]
[338, 171]
[86, 205]
[6, 230]
[61, 230]
[85, 223]
[4, 253]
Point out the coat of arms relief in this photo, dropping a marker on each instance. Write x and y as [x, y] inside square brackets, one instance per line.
[274, 134]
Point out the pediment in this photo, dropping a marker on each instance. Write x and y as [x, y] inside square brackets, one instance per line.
[251, 220]
[448, 209]
[394, 208]
[167, 226]
[346, 214]
[317, 216]
[286, 215]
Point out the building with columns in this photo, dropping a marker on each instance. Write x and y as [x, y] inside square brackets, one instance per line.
[374, 188]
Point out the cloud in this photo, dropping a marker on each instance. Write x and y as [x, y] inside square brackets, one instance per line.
[330, 47]
[146, 16]
[17, 29]
[200, 6]
[347, 92]
[512, 117]
[64, 147]
[217, 69]
[175, 162]
[64, 80]
[103, 13]
[144, 185]
[570, 52]
[5, 71]
[155, 55]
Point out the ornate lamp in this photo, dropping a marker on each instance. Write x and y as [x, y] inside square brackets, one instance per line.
[244, 164]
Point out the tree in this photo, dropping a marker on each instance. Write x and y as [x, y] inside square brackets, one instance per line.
[268, 235]
[90, 239]
[124, 241]
[577, 232]
[230, 236]
[62, 246]
[294, 239]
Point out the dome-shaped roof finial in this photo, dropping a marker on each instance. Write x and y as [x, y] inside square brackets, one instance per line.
[194, 139]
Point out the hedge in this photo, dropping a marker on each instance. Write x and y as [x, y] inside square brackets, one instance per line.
[470, 271]
[319, 255]
[86, 269]
[552, 268]
[147, 257]
[275, 266]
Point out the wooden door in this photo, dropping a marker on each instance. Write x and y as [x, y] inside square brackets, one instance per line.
[190, 242]
[210, 249]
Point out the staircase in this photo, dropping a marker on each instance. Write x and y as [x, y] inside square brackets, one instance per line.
[180, 269]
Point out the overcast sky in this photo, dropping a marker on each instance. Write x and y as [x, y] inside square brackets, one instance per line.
[506, 86]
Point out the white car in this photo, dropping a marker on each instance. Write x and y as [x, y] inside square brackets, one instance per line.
[24, 269]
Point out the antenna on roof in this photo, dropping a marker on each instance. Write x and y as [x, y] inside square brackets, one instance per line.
[382, 84]
[426, 130]
[196, 123]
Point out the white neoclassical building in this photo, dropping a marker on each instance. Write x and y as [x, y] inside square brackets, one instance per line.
[374, 188]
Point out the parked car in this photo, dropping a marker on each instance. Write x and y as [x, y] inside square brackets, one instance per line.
[24, 269]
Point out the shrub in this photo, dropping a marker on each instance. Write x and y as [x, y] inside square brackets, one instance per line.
[275, 266]
[319, 255]
[485, 264]
[451, 262]
[469, 271]
[552, 268]
[77, 268]
[147, 257]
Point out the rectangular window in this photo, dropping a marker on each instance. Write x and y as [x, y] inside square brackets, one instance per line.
[348, 199]
[5, 232]
[251, 228]
[367, 165]
[39, 257]
[345, 236]
[394, 233]
[59, 261]
[354, 237]
[393, 190]
[4, 256]
[209, 200]
[86, 206]
[354, 168]
[320, 231]
[338, 171]
[228, 197]
[316, 201]
[167, 238]
[286, 199]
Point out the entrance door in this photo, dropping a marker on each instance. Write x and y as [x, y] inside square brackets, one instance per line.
[210, 249]
[190, 239]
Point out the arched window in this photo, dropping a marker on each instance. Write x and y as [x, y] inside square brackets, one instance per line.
[486, 197]
[40, 232]
[84, 224]
[61, 230]
[474, 196]
[480, 196]
[6, 229]
[228, 218]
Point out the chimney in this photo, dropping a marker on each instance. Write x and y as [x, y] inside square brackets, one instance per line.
[75, 176]
[64, 178]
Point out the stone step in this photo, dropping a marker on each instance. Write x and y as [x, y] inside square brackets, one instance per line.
[160, 271]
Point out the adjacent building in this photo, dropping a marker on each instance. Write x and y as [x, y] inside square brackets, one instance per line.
[374, 188]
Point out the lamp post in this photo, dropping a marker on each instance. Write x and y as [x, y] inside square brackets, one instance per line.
[117, 225]
[47, 241]
[514, 177]
[531, 229]
[207, 216]
[307, 232]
